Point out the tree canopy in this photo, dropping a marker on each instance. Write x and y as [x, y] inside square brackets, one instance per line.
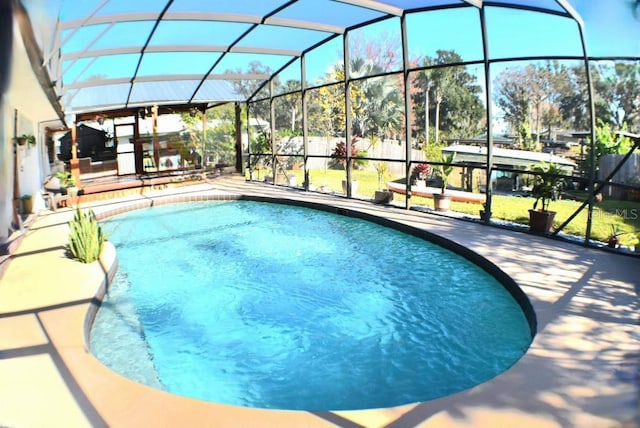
[448, 97]
[545, 96]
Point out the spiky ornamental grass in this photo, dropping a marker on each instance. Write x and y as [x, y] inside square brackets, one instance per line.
[85, 236]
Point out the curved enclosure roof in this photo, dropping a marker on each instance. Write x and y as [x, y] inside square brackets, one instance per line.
[113, 54]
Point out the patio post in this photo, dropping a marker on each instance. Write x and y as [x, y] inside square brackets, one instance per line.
[74, 163]
[487, 83]
[407, 109]
[156, 142]
[238, 112]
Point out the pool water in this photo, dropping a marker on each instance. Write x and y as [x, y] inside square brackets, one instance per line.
[282, 307]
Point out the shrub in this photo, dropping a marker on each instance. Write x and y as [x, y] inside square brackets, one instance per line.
[66, 179]
[85, 236]
[339, 155]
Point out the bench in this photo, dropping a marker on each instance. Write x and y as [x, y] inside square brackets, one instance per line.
[428, 192]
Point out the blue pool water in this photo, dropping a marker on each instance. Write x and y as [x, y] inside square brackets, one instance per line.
[273, 306]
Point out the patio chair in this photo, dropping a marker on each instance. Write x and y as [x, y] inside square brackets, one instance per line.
[54, 194]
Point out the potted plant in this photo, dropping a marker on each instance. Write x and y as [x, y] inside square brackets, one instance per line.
[382, 196]
[339, 156]
[442, 201]
[614, 240]
[26, 138]
[67, 182]
[546, 188]
[419, 174]
[27, 204]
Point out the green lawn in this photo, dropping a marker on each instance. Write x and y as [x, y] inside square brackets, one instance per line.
[624, 215]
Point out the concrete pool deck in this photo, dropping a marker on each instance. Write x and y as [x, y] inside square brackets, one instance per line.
[580, 371]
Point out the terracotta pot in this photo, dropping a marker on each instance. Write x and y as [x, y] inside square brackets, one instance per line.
[441, 202]
[541, 221]
[383, 196]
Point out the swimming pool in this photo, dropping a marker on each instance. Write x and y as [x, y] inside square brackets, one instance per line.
[273, 306]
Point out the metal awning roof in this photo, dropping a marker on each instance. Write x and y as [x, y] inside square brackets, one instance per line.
[506, 157]
[116, 54]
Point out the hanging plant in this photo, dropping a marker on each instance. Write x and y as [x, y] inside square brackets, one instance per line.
[26, 138]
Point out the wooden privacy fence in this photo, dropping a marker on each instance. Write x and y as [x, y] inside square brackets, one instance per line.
[628, 174]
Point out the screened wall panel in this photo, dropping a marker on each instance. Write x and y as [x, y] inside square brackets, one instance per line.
[447, 104]
[288, 123]
[283, 37]
[202, 33]
[430, 32]
[248, 63]
[216, 89]
[428, 3]
[242, 7]
[612, 28]
[326, 118]
[105, 67]
[245, 32]
[219, 142]
[556, 100]
[289, 79]
[323, 61]
[169, 63]
[177, 91]
[375, 49]
[546, 4]
[514, 33]
[105, 36]
[259, 150]
[378, 116]
[84, 8]
[540, 106]
[328, 13]
[617, 87]
[100, 96]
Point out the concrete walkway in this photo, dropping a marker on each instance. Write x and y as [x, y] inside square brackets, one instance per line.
[581, 369]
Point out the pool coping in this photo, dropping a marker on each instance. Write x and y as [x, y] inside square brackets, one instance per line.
[522, 394]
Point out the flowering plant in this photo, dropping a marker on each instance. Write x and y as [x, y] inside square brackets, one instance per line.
[339, 154]
[421, 171]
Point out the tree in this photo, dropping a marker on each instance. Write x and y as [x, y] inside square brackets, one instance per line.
[512, 97]
[326, 113]
[384, 50]
[553, 95]
[608, 142]
[248, 87]
[448, 96]
[571, 85]
[618, 94]
[376, 101]
[540, 94]
[531, 96]
[218, 145]
[289, 108]
[220, 138]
